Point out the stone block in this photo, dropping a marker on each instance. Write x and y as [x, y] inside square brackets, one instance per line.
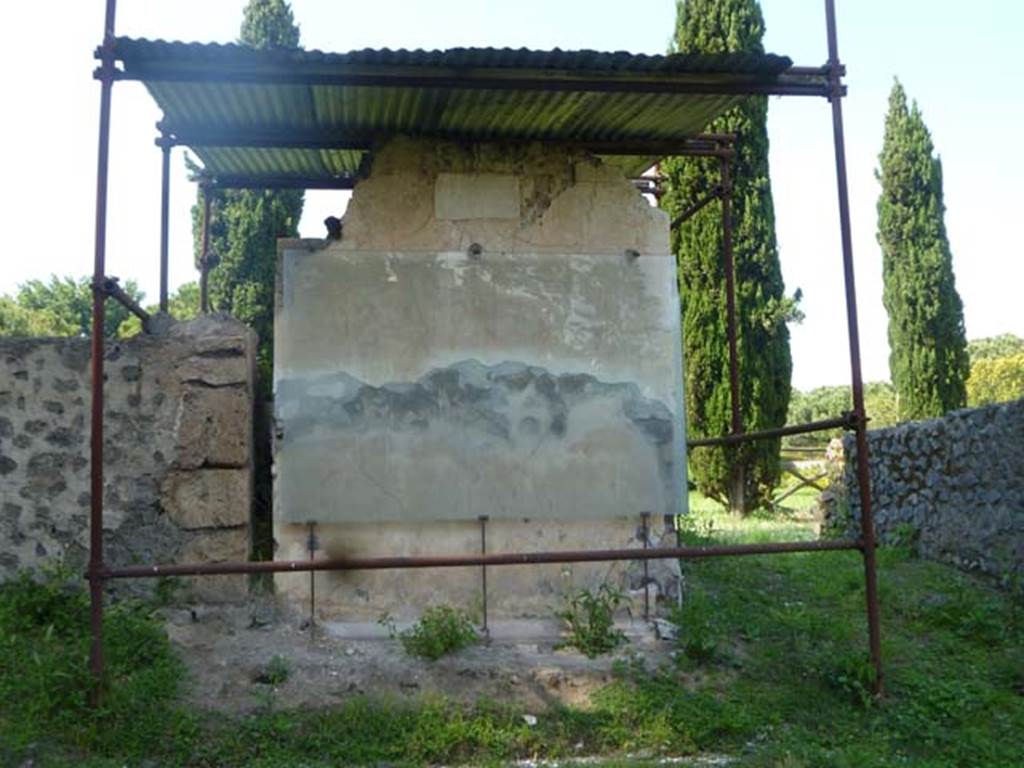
[215, 371]
[220, 546]
[223, 545]
[214, 427]
[207, 498]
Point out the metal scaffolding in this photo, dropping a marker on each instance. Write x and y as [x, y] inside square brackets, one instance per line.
[824, 81]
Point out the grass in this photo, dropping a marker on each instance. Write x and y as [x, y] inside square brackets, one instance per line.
[775, 675]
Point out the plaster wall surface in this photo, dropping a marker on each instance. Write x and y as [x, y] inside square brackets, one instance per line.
[497, 333]
[177, 451]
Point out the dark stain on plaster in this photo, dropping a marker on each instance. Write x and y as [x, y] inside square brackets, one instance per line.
[475, 398]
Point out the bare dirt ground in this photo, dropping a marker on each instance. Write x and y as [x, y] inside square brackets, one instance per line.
[226, 648]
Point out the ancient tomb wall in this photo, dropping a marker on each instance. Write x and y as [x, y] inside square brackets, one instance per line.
[496, 334]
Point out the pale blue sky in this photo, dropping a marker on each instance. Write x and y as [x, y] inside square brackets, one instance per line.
[959, 61]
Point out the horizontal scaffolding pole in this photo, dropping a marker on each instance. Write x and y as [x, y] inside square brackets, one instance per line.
[279, 182]
[458, 561]
[846, 421]
[653, 150]
[357, 140]
[798, 81]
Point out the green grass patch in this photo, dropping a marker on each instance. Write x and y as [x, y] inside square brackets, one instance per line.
[771, 670]
[45, 680]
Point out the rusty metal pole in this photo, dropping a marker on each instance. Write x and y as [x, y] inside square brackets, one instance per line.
[105, 74]
[467, 561]
[312, 547]
[483, 573]
[204, 266]
[165, 204]
[645, 528]
[730, 294]
[860, 427]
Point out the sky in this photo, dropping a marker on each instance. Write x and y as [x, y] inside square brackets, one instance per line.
[959, 62]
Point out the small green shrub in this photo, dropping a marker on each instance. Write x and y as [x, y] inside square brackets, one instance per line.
[697, 636]
[853, 674]
[441, 630]
[276, 671]
[590, 617]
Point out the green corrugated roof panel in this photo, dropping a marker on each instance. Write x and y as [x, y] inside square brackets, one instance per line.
[136, 52]
[235, 92]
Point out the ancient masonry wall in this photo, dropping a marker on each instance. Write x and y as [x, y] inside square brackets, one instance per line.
[951, 487]
[496, 333]
[177, 450]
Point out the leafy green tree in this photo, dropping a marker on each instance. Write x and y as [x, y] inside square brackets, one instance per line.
[828, 402]
[743, 476]
[991, 347]
[16, 320]
[247, 223]
[996, 380]
[182, 305]
[63, 307]
[928, 358]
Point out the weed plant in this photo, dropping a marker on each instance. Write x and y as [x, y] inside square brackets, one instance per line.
[275, 672]
[440, 631]
[590, 620]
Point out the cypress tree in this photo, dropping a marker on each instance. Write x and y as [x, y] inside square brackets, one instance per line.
[246, 224]
[743, 476]
[928, 358]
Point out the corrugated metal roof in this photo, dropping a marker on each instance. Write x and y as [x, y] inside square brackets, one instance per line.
[294, 113]
[142, 52]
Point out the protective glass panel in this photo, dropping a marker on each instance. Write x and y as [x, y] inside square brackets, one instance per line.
[445, 386]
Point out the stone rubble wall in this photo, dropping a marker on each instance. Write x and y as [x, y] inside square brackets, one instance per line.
[177, 450]
[952, 487]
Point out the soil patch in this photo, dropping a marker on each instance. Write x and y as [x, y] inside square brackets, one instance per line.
[227, 648]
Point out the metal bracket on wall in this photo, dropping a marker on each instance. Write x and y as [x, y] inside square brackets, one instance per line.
[645, 530]
[312, 544]
[483, 576]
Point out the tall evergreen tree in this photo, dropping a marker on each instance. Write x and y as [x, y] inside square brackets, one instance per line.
[247, 223]
[742, 476]
[928, 358]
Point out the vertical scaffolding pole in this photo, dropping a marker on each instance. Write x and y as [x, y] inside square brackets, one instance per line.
[730, 295]
[165, 203]
[105, 75]
[860, 428]
[483, 574]
[645, 530]
[312, 544]
[204, 266]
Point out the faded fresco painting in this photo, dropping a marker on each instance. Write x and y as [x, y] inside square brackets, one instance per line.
[427, 386]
